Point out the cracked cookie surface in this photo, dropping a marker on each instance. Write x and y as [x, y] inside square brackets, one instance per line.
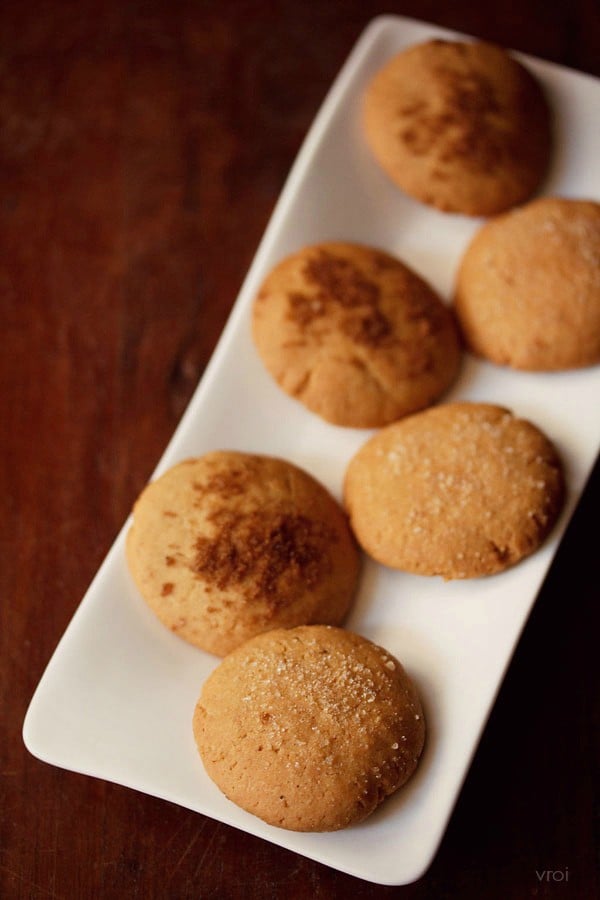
[309, 728]
[230, 544]
[461, 490]
[354, 334]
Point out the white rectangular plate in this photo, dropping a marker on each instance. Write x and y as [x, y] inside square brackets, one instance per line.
[117, 697]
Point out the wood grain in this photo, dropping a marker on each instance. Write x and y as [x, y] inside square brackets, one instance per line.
[142, 148]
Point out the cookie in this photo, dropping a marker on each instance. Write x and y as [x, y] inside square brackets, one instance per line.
[460, 490]
[528, 287]
[354, 334]
[309, 728]
[461, 126]
[229, 545]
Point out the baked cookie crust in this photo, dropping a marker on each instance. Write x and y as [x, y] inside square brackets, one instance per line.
[461, 490]
[354, 334]
[528, 287]
[230, 544]
[461, 126]
[309, 728]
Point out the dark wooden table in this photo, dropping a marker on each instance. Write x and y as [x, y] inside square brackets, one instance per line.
[143, 146]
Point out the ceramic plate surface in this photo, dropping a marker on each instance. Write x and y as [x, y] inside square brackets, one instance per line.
[117, 698]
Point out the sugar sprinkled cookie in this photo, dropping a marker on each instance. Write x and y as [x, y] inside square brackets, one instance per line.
[460, 490]
[230, 544]
[309, 728]
[461, 126]
[528, 287]
[354, 334]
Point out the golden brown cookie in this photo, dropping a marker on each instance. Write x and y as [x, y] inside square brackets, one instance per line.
[460, 490]
[354, 334]
[309, 728]
[461, 126]
[229, 545]
[528, 288]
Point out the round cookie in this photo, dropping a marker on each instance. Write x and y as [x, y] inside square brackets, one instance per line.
[460, 490]
[309, 728]
[354, 334]
[528, 288]
[229, 545]
[460, 126]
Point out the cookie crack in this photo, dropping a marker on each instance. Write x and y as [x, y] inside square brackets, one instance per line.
[302, 386]
[501, 553]
[367, 369]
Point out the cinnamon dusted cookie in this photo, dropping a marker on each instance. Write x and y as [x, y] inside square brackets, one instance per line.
[229, 545]
[461, 126]
[528, 288]
[309, 728]
[460, 490]
[354, 334]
